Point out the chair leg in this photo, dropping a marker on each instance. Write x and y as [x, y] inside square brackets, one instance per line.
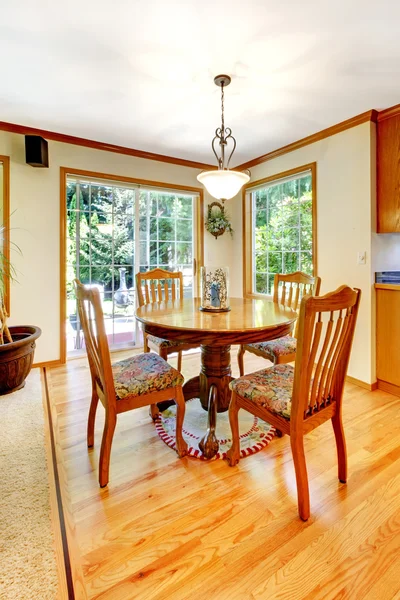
[179, 367]
[92, 417]
[145, 344]
[340, 447]
[154, 412]
[240, 360]
[233, 453]
[108, 433]
[299, 459]
[163, 353]
[181, 445]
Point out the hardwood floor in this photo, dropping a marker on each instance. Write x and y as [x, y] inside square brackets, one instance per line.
[171, 529]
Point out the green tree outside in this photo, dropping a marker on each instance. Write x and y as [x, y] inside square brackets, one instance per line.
[283, 231]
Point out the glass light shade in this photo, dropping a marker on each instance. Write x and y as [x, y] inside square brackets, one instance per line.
[223, 184]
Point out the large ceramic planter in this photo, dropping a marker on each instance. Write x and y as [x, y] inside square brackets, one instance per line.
[16, 357]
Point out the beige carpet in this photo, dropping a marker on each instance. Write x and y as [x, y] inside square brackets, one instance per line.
[27, 557]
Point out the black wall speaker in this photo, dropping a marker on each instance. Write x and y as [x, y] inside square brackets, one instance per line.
[36, 151]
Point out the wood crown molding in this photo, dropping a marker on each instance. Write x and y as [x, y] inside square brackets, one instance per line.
[77, 141]
[393, 111]
[370, 115]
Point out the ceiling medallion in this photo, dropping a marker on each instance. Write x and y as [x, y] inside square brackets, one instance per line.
[223, 183]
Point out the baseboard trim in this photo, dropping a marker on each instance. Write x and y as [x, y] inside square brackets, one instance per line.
[367, 386]
[388, 387]
[48, 364]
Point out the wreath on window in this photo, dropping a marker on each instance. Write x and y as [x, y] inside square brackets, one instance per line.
[217, 221]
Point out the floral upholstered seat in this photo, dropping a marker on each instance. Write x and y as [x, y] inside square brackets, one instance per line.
[270, 388]
[279, 347]
[163, 343]
[144, 374]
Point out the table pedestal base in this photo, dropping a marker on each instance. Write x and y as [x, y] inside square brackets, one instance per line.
[212, 387]
[209, 444]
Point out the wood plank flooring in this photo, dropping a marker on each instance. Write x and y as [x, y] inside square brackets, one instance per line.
[171, 529]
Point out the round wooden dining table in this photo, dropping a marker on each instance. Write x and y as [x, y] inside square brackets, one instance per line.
[249, 320]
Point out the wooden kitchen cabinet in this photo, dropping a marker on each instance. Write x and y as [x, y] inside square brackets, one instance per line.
[388, 337]
[388, 172]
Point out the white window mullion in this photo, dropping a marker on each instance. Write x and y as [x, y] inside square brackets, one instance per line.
[138, 331]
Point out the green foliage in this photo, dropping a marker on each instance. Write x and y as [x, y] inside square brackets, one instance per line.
[7, 269]
[105, 224]
[283, 231]
[218, 221]
[103, 219]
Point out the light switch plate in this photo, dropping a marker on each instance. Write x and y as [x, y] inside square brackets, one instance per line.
[362, 258]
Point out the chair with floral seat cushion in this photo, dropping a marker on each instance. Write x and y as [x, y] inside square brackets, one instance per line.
[288, 290]
[160, 285]
[142, 380]
[297, 400]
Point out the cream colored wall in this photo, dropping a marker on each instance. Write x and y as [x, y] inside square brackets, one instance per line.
[34, 195]
[345, 218]
[344, 226]
[223, 250]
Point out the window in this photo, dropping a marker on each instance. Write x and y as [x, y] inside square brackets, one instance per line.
[115, 229]
[282, 233]
[166, 224]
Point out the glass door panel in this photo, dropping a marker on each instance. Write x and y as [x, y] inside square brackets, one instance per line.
[167, 234]
[113, 231]
[101, 253]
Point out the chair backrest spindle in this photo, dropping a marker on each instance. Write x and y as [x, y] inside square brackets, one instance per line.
[325, 335]
[289, 289]
[161, 290]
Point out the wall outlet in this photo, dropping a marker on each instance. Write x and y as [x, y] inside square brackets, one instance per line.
[362, 258]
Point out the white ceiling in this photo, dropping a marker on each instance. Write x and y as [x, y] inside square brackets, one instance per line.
[139, 73]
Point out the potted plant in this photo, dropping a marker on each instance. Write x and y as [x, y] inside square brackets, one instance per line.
[17, 343]
[217, 221]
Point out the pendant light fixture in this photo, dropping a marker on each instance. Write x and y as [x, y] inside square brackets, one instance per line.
[223, 183]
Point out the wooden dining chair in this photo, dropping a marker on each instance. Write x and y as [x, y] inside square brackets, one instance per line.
[141, 380]
[160, 285]
[288, 291]
[297, 400]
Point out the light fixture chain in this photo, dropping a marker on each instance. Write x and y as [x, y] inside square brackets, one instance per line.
[224, 183]
[222, 110]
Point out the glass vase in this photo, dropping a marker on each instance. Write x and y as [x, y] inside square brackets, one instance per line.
[215, 289]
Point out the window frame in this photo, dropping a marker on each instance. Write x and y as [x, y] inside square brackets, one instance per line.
[247, 231]
[65, 172]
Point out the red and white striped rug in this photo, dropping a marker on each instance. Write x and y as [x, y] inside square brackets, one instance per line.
[255, 434]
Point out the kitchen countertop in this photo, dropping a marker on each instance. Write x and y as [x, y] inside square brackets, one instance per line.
[387, 280]
[388, 286]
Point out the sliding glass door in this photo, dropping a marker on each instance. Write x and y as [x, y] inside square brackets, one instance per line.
[114, 230]
[166, 234]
